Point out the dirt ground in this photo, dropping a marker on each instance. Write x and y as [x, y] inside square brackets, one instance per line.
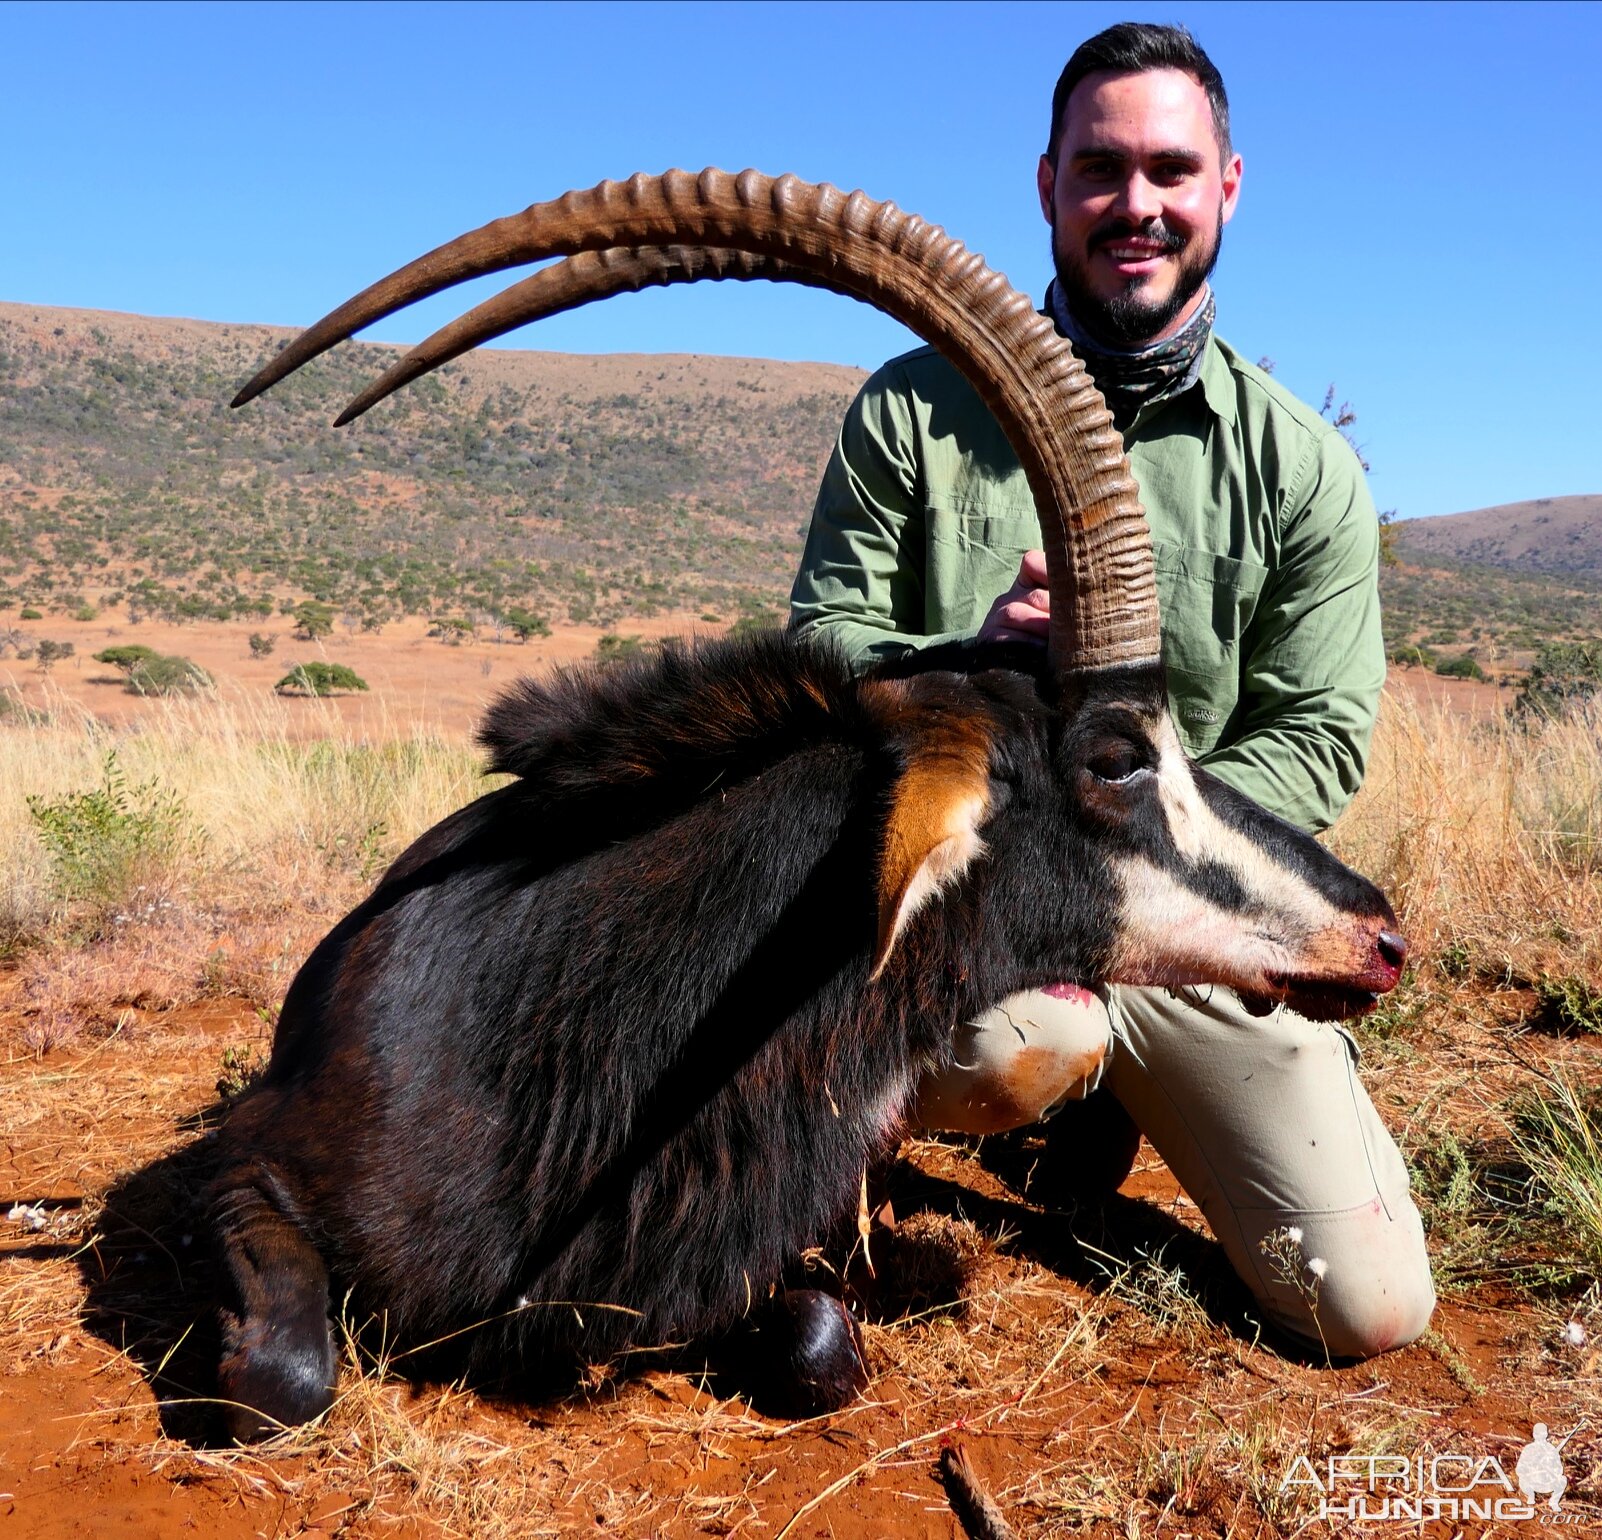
[1104, 1372]
[411, 677]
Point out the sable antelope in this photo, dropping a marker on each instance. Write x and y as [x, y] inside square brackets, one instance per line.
[608, 1048]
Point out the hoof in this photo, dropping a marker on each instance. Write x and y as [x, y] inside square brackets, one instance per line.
[276, 1380]
[811, 1354]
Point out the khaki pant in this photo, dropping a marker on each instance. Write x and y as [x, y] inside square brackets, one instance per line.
[1263, 1121]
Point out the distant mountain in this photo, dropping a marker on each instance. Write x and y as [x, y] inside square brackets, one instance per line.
[590, 488]
[1556, 536]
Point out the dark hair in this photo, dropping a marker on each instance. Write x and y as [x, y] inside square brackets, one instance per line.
[1131, 48]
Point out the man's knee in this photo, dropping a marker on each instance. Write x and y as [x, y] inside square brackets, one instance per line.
[1352, 1285]
[1018, 1063]
[1362, 1323]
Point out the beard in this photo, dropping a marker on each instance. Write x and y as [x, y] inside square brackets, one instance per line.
[1133, 317]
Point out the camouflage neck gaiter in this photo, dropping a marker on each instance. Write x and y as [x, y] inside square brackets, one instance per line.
[1129, 379]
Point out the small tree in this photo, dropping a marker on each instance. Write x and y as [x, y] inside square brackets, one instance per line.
[452, 631]
[525, 623]
[164, 675]
[262, 644]
[320, 679]
[126, 656]
[52, 652]
[1463, 666]
[313, 620]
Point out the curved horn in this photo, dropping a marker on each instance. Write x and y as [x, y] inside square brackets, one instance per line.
[566, 285]
[1103, 590]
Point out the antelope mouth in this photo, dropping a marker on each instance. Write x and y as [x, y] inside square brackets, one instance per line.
[1316, 999]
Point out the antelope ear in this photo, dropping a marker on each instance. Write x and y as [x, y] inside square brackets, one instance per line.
[931, 837]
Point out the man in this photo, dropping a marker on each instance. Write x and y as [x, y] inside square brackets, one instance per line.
[1266, 547]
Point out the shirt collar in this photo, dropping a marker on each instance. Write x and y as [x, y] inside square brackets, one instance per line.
[1218, 381]
[1215, 377]
[1217, 384]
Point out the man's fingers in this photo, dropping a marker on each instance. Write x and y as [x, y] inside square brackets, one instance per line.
[1015, 634]
[1024, 615]
[1032, 572]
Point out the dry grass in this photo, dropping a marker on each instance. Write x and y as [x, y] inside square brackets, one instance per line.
[1487, 834]
[277, 834]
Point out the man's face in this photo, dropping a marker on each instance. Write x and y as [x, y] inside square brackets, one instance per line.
[1136, 202]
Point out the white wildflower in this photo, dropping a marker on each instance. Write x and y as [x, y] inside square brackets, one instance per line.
[1574, 1334]
[32, 1215]
[1317, 1266]
[1293, 1233]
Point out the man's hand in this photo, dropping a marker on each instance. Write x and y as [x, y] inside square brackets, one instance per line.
[1023, 613]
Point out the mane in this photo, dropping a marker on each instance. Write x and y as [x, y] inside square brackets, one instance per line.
[672, 724]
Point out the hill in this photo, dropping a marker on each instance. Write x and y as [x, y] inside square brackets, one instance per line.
[589, 490]
[583, 488]
[1557, 536]
[1497, 582]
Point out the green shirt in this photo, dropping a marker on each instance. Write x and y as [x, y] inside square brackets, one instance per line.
[1266, 547]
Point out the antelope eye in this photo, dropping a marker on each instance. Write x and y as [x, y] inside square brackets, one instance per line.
[1115, 762]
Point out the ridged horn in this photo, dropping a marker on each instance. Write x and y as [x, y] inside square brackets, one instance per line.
[1098, 551]
[565, 285]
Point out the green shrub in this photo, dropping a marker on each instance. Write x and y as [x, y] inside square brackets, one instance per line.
[1411, 655]
[1460, 667]
[32, 614]
[167, 675]
[262, 644]
[1565, 674]
[105, 843]
[613, 648]
[85, 612]
[1569, 1003]
[320, 679]
[313, 620]
[49, 652]
[126, 656]
[1557, 1132]
[16, 712]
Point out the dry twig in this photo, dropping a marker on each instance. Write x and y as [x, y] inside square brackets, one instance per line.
[975, 1508]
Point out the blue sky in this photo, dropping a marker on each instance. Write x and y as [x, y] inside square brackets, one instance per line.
[1420, 222]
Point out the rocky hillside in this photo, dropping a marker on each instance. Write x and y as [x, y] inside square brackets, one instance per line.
[583, 487]
[1558, 536]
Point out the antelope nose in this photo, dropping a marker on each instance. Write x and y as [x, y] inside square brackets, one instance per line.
[1392, 949]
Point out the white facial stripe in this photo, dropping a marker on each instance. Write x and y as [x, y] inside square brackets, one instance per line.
[1292, 907]
[1172, 935]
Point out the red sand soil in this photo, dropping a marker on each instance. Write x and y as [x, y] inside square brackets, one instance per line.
[105, 1311]
[105, 1335]
[412, 677]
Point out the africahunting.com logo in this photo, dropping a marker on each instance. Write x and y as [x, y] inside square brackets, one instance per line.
[1437, 1486]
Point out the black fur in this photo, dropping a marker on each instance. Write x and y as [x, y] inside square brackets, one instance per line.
[603, 1042]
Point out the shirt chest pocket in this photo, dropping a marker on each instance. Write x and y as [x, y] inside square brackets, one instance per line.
[1208, 603]
[973, 555]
